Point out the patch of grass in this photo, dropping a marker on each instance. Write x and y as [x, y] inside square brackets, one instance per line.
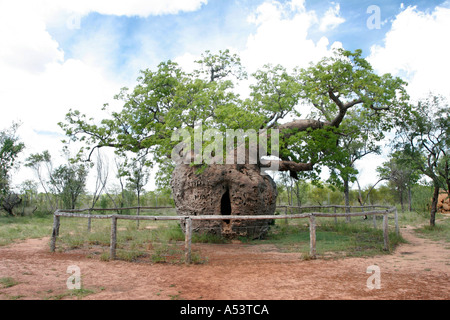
[157, 240]
[129, 255]
[104, 256]
[341, 239]
[7, 282]
[166, 252]
[175, 297]
[170, 232]
[441, 230]
[77, 293]
[21, 228]
[305, 256]
[207, 238]
[412, 218]
[196, 258]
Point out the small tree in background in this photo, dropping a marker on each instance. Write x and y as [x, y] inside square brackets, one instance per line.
[401, 175]
[138, 174]
[10, 148]
[69, 180]
[42, 165]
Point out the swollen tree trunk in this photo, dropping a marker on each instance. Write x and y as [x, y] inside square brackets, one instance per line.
[434, 203]
[225, 190]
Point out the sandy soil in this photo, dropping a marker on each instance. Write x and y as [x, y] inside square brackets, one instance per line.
[417, 270]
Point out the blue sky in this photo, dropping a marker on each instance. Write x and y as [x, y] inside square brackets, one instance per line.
[56, 55]
[217, 25]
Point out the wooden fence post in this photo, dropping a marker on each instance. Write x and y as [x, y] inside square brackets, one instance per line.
[55, 232]
[312, 236]
[386, 231]
[89, 222]
[335, 218]
[285, 213]
[138, 212]
[188, 240]
[112, 252]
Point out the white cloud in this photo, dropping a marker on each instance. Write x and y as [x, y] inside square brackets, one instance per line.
[25, 43]
[187, 62]
[331, 19]
[141, 8]
[281, 36]
[38, 85]
[417, 49]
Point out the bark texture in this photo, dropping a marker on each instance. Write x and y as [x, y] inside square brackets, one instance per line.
[225, 190]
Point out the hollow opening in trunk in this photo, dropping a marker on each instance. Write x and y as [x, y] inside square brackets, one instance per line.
[225, 205]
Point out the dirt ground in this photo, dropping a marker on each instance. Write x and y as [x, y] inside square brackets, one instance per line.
[417, 270]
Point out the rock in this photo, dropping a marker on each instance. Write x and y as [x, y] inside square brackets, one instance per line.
[225, 190]
[443, 202]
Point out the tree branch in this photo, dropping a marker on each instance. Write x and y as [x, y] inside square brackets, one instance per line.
[286, 165]
[302, 125]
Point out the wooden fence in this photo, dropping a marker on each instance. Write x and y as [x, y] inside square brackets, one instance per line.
[188, 222]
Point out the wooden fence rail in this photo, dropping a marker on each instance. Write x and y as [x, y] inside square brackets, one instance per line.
[188, 223]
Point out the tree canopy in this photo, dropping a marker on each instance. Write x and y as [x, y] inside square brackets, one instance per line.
[338, 87]
[10, 148]
[424, 140]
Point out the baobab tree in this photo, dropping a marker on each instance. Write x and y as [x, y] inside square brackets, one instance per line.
[169, 100]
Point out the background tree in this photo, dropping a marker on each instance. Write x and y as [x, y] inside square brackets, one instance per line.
[424, 139]
[359, 138]
[69, 180]
[138, 175]
[301, 189]
[10, 201]
[318, 195]
[101, 179]
[401, 175]
[29, 192]
[10, 148]
[42, 165]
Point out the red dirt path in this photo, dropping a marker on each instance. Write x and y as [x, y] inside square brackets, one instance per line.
[417, 270]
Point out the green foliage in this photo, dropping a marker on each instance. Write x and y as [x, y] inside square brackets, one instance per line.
[424, 139]
[421, 198]
[69, 181]
[10, 148]
[168, 99]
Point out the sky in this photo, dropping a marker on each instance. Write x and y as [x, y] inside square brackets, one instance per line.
[58, 55]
